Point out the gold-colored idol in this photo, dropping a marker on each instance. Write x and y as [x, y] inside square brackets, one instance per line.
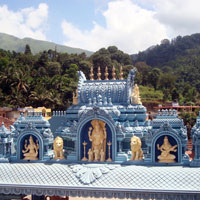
[31, 149]
[166, 148]
[97, 135]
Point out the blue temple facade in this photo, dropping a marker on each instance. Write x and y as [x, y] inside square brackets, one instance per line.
[107, 143]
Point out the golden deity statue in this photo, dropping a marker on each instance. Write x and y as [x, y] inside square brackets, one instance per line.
[135, 96]
[165, 148]
[31, 150]
[97, 135]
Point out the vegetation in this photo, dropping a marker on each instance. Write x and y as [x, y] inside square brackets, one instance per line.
[49, 78]
[173, 67]
[166, 72]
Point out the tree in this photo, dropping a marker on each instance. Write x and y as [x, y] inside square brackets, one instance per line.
[154, 77]
[27, 50]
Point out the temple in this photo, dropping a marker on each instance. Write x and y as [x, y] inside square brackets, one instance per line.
[102, 146]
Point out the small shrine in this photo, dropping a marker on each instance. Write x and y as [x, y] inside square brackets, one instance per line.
[32, 138]
[167, 139]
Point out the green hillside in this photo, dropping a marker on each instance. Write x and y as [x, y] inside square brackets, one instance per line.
[172, 67]
[8, 42]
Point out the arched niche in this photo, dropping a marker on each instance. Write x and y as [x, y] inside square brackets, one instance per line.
[82, 135]
[173, 140]
[21, 141]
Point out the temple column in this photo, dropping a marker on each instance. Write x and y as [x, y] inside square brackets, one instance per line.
[120, 146]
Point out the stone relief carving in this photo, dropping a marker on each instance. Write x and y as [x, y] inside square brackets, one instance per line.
[89, 173]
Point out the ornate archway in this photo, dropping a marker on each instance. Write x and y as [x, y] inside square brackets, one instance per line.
[25, 135]
[85, 124]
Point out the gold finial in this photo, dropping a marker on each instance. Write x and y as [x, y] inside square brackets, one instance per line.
[113, 73]
[91, 74]
[106, 73]
[99, 74]
[121, 73]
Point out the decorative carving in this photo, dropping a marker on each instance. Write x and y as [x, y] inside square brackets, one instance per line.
[135, 96]
[90, 173]
[95, 111]
[106, 73]
[166, 148]
[130, 84]
[97, 135]
[99, 74]
[137, 153]
[91, 74]
[58, 149]
[31, 150]
[75, 97]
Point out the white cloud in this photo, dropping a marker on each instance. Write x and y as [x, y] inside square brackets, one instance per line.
[28, 22]
[181, 17]
[128, 26]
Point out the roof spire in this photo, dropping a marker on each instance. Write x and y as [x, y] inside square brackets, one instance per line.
[121, 73]
[99, 74]
[113, 73]
[106, 73]
[91, 74]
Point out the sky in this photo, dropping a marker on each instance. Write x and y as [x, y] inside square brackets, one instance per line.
[131, 25]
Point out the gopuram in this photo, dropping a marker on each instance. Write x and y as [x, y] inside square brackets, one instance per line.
[102, 146]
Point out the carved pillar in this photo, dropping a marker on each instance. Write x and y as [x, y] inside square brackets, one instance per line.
[120, 146]
[4, 145]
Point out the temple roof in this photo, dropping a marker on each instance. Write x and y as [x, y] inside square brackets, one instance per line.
[62, 179]
[105, 92]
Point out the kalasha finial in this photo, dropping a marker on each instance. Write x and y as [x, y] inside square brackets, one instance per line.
[106, 73]
[121, 73]
[99, 74]
[91, 74]
[113, 73]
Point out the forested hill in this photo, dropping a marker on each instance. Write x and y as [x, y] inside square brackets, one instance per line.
[9, 42]
[173, 67]
[169, 51]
